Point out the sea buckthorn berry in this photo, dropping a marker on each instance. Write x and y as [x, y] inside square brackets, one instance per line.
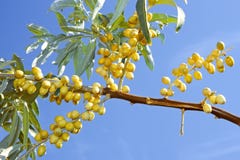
[129, 75]
[164, 91]
[170, 92]
[133, 19]
[183, 68]
[197, 75]
[103, 38]
[133, 42]
[58, 118]
[110, 80]
[53, 138]
[65, 136]
[149, 16]
[195, 56]
[183, 87]
[207, 108]
[52, 88]
[125, 89]
[190, 61]
[135, 56]
[36, 70]
[101, 51]
[114, 87]
[220, 99]
[229, 61]
[188, 78]
[46, 84]
[215, 53]
[206, 92]
[43, 134]
[212, 99]
[220, 45]
[85, 116]
[211, 68]
[95, 108]
[31, 89]
[38, 77]
[64, 80]
[57, 131]
[52, 127]
[19, 74]
[75, 78]
[127, 32]
[43, 91]
[77, 124]
[130, 67]
[219, 63]
[91, 115]
[68, 96]
[69, 126]
[38, 137]
[101, 110]
[59, 143]
[89, 106]
[62, 123]
[77, 85]
[199, 63]
[63, 90]
[153, 33]
[177, 83]
[114, 47]
[87, 96]
[109, 36]
[75, 114]
[76, 97]
[41, 150]
[58, 100]
[166, 80]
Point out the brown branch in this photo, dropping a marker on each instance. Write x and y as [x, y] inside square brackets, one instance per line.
[219, 113]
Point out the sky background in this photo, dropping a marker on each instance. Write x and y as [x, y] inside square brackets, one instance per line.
[129, 132]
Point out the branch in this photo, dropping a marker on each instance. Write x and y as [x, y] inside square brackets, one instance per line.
[219, 113]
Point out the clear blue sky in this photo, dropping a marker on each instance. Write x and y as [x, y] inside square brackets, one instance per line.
[138, 132]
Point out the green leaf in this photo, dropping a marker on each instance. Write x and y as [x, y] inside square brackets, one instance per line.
[89, 69]
[142, 13]
[15, 129]
[61, 4]
[7, 152]
[91, 4]
[34, 121]
[61, 21]
[118, 22]
[3, 85]
[166, 2]
[121, 4]
[25, 115]
[147, 54]
[161, 36]
[4, 116]
[30, 48]
[19, 63]
[180, 19]
[37, 30]
[34, 107]
[6, 63]
[164, 18]
[97, 8]
[83, 57]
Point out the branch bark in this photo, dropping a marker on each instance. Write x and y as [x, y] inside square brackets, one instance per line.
[164, 102]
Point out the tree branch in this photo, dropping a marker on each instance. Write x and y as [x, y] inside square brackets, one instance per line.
[219, 113]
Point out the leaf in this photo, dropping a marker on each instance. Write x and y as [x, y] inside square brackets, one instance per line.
[6, 63]
[90, 4]
[83, 57]
[31, 98]
[15, 128]
[121, 4]
[19, 63]
[61, 4]
[25, 115]
[33, 120]
[6, 152]
[164, 18]
[37, 30]
[147, 54]
[5, 115]
[118, 22]
[34, 107]
[33, 46]
[161, 36]
[180, 19]
[97, 8]
[3, 85]
[141, 12]
[89, 69]
[166, 2]
[61, 21]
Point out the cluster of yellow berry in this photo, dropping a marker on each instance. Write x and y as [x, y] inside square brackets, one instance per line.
[117, 60]
[59, 89]
[213, 98]
[187, 71]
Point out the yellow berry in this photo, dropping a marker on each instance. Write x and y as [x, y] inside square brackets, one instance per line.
[53, 138]
[164, 91]
[53, 126]
[65, 136]
[38, 137]
[42, 91]
[109, 36]
[46, 84]
[101, 110]
[212, 99]
[19, 74]
[220, 99]
[206, 92]
[76, 97]
[211, 68]
[31, 89]
[129, 75]
[229, 61]
[61, 123]
[41, 150]
[91, 115]
[75, 78]
[207, 108]
[197, 75]
[125, 89]
[68, 96]
[85, 116]
[69, 126]
[77, 124]
[170, 92]
[166, 80]
[188, 78]
[183, 87]
[220, 45]
[89, 106]
[65, 79]
[36, 70]
[135, 56]
[58, 118]
[57, 131]
[59, 143]
[63, 90]
[87, 96]
[43, 134]
[75, 114]
[195, 56]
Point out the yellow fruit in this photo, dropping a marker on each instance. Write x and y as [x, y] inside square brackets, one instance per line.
[125, 89]
[58, 118]
[69, 96]
[75, 114]
[135, 56]
[229, 61]
[212, 99]
[31, 89]
[52, 89]
[53, 126]
[76, 97]
[109, 36]
[114, 86]
[42, 91]
[38, 137]
[41, 150]
[19, 74]
[183, 87]
[101, 110]
[62, 123]
[197, 75]
[170, 92]
[164, 92]
[133, 42]
[190, 61]
[104, 39]
[129, 75]
[114, 47]
[85, 116]
[220, 99]
[36, 70]
[57, 131]
[188, 78]
[75, 78]
[63, 90]
[211, 68]
[95, 108]
[130, 67]
[59, 143]
[65, 136]
[220, 45]
[91, 115]
[195, 56]
[207, 108]
[87, 96]
[166, 80]
[46, 84]
[69, 126]
[38, 76]
[43, 134]
[149, 16]
[53, 138]
[77, 124]
[215, 53]
[64, 80]
[206, 92]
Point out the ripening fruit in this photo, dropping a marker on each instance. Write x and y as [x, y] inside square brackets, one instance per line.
[19, 74]
[109, 36]
[183, 87]
[166, 80]
[206, 92]
[220, 99]
[85, 116]
[89, 106]
[135, 56]
[77, 124]
[164, 91]
[41, 150]
[74, 115]
[190, 61]
[188, 78]
[101, 110]
[38, 137]
[129, 75]
[58, 118]
[229, 61]
[61, 123]
[125, 89]
[75, 78]
[31, 89]
[91, 115]
[197, 75]
[36, 70]
[170, 92]
[68, 96]
[211, 68]
[65, 136]
[64, 90]
[207, 108]
[57, 131]
[69, 126]
[43, 134]
[59, 143]
[46, 84]
[212, 99]
[177, 83]
[220, 45]
[42, 91]
[64, 80]
[195, 56]
[53, 138]
[87, 96]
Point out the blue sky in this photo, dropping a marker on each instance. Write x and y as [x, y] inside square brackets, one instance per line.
[129, 132]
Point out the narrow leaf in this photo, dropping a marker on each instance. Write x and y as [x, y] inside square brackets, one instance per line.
[90, 4]
[164, 18]
[118, 22]
[61, 21]
[25, 124]
[37, 30]
[147, 54]
[7, 152]
[19, 63]
[3, 85]
[61, 4]
[15, 128]
[89, 69]
[121, 4]
[142, 14]
[166, 2]
[6, 63]
[34, 121]
[180, 19]
[97, 8]
[32, 46]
